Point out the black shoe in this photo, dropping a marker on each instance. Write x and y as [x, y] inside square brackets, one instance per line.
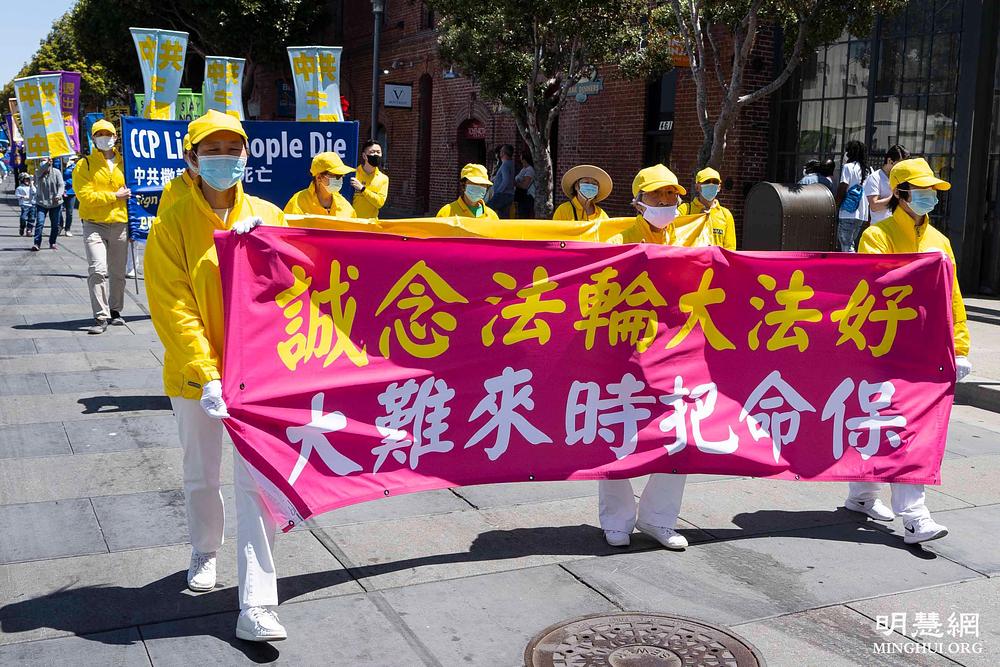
[117, 319]
[35, 248]
[100, 326]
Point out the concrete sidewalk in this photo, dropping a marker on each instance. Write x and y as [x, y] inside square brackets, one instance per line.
[93, 553]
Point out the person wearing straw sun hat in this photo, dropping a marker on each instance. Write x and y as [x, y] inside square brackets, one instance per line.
[908, 230]
[584, 186]
[474, 182]
[323, 197]
[720, 219]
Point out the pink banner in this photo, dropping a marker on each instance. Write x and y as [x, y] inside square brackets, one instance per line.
[359, 366]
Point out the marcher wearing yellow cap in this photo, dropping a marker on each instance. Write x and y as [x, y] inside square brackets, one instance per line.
[720, 219]
[655, 192]
[185, 302]
[584, 185]
[914, 195]
[176, 187]
[323, 197]
[99, 181]
[473, 181]
[371, 186]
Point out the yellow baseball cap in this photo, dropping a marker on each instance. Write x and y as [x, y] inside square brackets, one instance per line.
[916, 172]
[476, 173]
[213, 121]
[187, 141]
[654, 178]
[707, 174]
[103, 125]
[329, 162]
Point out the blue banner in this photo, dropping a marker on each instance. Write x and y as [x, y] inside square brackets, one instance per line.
[280, 153]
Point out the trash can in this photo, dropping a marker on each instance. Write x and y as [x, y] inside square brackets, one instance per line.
[789, 217]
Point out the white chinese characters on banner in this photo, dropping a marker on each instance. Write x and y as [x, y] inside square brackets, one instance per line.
[767, 418]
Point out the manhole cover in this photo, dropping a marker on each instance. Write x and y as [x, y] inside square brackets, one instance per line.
[638, 640]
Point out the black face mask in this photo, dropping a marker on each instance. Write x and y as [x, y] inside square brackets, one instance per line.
[374, 160]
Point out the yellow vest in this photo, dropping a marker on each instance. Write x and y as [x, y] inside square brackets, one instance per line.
[306, 202]
[459, 209]
[720, 219]
[571, 210]
[368, 202]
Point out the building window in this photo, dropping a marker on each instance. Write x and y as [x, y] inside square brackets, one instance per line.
[897, 85]
[428, 21]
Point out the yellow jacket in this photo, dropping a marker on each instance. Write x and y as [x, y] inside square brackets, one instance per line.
[642, 232]
[458, 208]
[95, 184]
[305, 202]
[184, 288]
[368, 202]
[571, 210]
[719, 217]
[173, 190]
[898, 234]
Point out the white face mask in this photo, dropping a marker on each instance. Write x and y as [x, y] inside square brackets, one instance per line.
[659, 216]
[104, 143]
[334, 184]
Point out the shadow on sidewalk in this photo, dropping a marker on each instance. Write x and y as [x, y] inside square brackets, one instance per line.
[72, 325]
[93, 405]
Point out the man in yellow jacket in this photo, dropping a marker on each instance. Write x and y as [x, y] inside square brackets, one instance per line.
[323, 197]
[914, 195]
[371, 186]
[473, 182]
[99, 182]
[720, 219]
[656, 192]
[185, 301]
[174, 188]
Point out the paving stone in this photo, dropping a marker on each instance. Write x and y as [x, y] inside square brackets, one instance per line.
[973, 416]
[119, 648]
[77, 361]
[739, 581]
[86, 405]
[489, 619]
[347, 630]
[14, 346]
[133, 378]
[969, 531]
[981, 597]
[35, 531]
[972, 479]
[115, 434]
[151, 519]
[25, 384]
[832, 637]
[121, 339]
[967, 439]
[519, 493]
[425, 503]
[119, 589]
[85, 475]
[30, 440]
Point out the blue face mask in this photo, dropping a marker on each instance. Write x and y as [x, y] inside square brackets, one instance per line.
[221, 172]
[923, 202]
[710, 191]
[475, 193]
[588, 190]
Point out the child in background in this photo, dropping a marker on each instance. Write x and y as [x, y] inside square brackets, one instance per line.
[25, 193]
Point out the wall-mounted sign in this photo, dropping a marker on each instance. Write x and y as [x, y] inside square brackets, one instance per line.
[475, 130]
[585, 88]
[400, 97]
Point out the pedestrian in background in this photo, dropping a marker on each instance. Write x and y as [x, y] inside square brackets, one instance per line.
[49, 191]
[503, 183]
[69, 198]
[524, 193]
[876, 187]
[852, 205]
[25, 193]
[99, 181]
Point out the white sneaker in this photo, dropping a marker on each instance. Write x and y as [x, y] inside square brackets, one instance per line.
[876, 509]
[668, 537]
[201, 572]
[130, 274]
[259, 624]
[617, 538]
[923, 530]
[68, 233]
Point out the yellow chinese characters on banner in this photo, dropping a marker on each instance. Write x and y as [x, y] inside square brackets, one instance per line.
[41, 116]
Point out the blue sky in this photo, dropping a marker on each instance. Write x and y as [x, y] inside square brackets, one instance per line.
[23, 26]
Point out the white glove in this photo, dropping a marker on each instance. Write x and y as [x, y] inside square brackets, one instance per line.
[211, 400]
[247, 225]
[962, 368]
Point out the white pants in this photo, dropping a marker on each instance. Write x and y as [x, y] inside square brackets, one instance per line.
[908, 500]
[201, 438]
[659, 505]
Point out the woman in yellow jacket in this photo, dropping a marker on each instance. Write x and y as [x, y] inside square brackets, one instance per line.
[473, 182]
[185, 301]
[914, 195]
[323, 197]
[656, 193]
[720, 219]
[99, 181]
[584, 186]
